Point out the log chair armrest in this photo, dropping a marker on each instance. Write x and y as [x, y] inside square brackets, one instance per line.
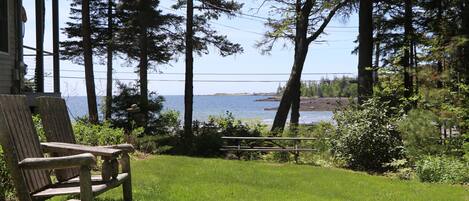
[68, 148]
[79, 160]
[128, 148]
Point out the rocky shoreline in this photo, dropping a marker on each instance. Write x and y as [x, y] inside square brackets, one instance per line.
[313, 104]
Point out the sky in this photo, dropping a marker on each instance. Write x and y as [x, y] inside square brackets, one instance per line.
[333, 56]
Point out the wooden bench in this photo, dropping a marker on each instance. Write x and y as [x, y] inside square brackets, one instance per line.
[242, 146]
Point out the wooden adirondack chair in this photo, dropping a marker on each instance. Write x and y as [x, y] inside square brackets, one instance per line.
[29, 168]
[59, 134]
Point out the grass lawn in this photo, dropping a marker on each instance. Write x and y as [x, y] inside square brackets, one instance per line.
[173, 178]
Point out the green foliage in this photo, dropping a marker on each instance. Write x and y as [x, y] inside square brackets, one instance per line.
[322, 145]
[129, 95]
[39, 129]
[155, 144]
[207, 135]
[402, 169]
[366, 136]
[96, 135]
[442, 170]
[73, 46]
[465, 147]
[6, 184]
[205, 36]
[137, 17]
[337, 87]
[420, 133]
[165, 140]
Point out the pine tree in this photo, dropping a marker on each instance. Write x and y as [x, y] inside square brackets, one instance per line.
[199, 36]
[365, 50]
[103, 23]
[144, 36]
[88, 59]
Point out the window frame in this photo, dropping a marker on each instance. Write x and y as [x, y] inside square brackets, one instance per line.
[6, 48]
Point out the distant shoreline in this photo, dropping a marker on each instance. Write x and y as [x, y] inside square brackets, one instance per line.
[243, 94]
[312, 104]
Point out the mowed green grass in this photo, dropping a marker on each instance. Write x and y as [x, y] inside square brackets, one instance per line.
[175, 178]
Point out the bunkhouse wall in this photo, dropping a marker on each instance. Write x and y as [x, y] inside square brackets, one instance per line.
[9, 73]
[12, 68]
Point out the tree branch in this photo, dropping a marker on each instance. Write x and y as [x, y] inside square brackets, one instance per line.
[326, 21]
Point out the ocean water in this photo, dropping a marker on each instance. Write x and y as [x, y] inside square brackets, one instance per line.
[242, 107]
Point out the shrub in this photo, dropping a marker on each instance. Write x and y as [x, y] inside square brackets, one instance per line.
[420, 134]
[122, 118]
[6, 185]
[207, 135]
[39, 129]
[322, 145]
[166, 137]
[442, 170]
[366, 137]
[95, 135]
[466, 147]
[155, 144]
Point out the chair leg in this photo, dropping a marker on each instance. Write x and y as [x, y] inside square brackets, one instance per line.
[127, 190]
[86, 191]
[127, 185]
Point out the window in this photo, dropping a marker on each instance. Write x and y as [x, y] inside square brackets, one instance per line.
[3, 26]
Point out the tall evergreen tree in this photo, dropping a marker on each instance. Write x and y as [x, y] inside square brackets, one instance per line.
[408, 47]
[145, 36]
[110, 53]
[103, 23]
[88, 57]
[199, 36]
[365, 50]
[189, 75]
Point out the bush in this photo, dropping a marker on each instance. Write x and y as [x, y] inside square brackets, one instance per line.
[322, 145]
[6, 185]
[366, 137]
[39, 129]
[166, 137]
[207, 135]
[442, 170]
[155, 144]
[420, 134]
[128, 96]
[97, 135]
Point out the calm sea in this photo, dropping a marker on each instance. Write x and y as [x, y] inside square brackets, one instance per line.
[242, 107]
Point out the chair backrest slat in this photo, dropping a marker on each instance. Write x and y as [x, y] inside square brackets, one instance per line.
[58, 128]
[20, 133]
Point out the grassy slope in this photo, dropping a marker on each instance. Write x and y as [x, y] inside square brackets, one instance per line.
[182, 178]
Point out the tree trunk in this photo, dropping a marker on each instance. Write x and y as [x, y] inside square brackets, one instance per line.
[143, 65]
[39, 71]
[465, 22]
[439, 70]
[406, 60]
[296, 97]
[365, 50]
[377, 51]
[292, 87]
[188, 89]
[88, 57]
[415, 65]
[109, 61]
[295, 108]
[376, 64]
